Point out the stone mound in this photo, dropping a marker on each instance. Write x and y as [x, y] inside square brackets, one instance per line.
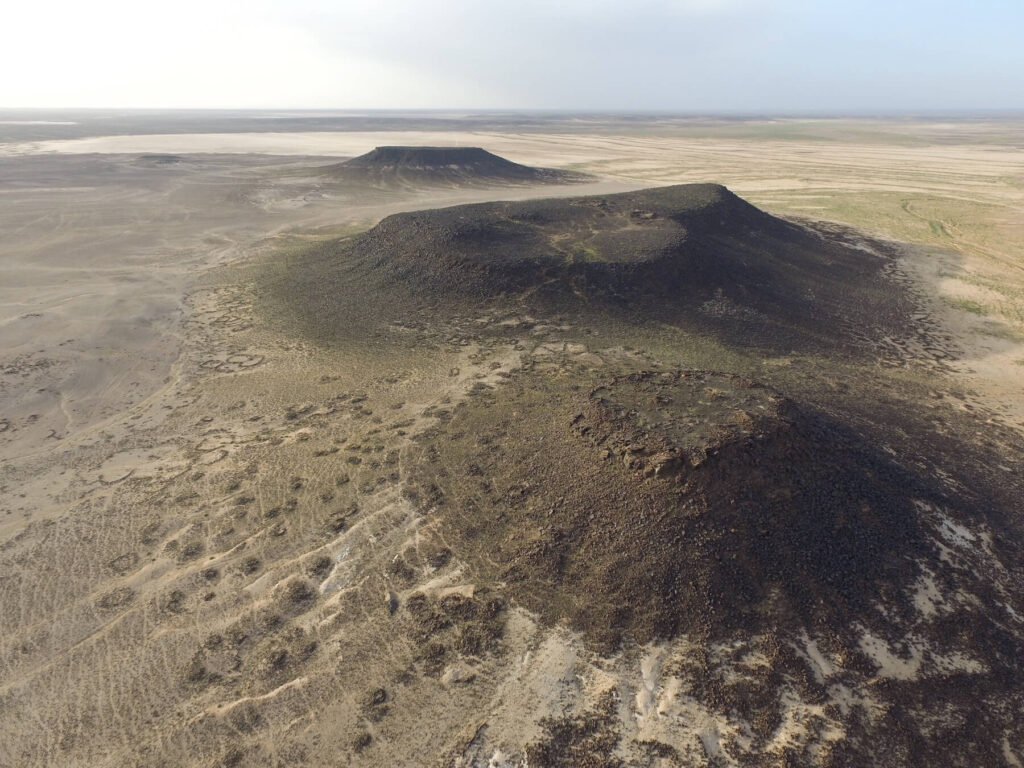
[429, 166]
[692, 253]
[687, 501]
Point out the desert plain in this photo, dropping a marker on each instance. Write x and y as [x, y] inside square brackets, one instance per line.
[222, 534]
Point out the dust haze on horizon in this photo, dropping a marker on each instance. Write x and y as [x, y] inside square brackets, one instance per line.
[673, 55]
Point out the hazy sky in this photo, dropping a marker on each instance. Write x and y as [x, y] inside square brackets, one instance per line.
[682, 55]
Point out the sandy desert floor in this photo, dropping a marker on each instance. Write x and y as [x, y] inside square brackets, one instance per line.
[170, 458]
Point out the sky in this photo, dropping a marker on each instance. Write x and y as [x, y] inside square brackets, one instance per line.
[692, 56]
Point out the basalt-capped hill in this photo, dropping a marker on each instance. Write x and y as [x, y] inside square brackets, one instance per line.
[444, 166]
[695, 255]
[773, 557]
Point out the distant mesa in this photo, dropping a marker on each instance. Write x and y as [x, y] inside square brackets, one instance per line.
[444, 166]
[159, 159]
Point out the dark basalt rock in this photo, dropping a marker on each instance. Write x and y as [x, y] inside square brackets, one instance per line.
[684, 501]
[444, 166]
[691, 255]
[597, 246]
[159, 159]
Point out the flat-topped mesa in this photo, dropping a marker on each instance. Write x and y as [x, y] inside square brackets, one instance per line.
[693, 252]
[428, 166]
[648, 240]
[432, 157]
[607, 241]
[694, 256]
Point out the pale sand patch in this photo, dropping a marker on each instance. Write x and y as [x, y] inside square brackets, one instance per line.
[927, 598]
[914, 665]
